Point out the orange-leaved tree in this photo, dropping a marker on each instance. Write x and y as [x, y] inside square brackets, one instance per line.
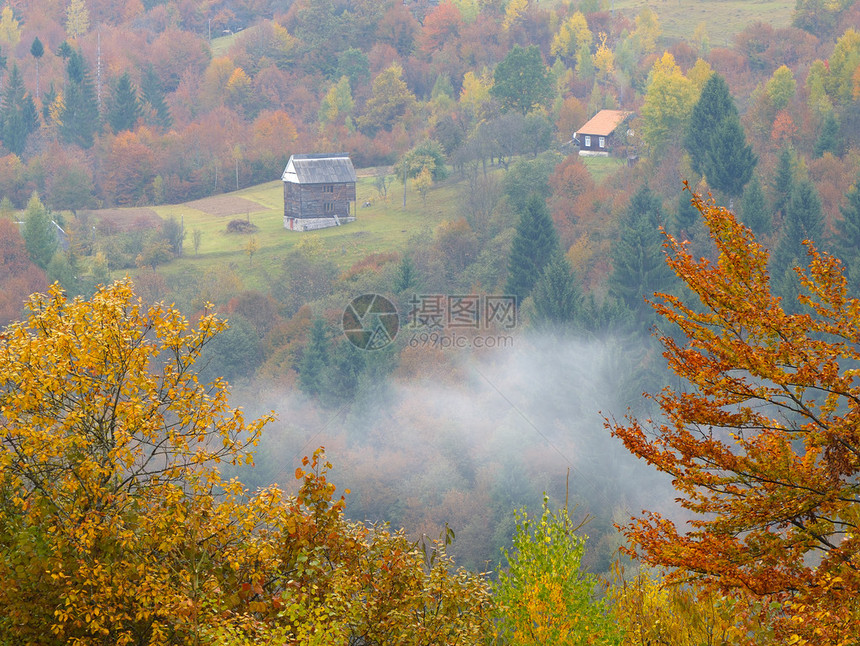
[116, 526]
[761, 437]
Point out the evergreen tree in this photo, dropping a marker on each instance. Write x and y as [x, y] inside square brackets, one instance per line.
[37, 50]
[685, 218]
[18, 116]
[342, 378]
[315, 359]
[828, 138]
[755, 211]
[48, 100]
[847, 241]
[124, 108]
[783, 180]
[80, 119]
[533, 246]
[556, 297]
[39, 233]
[154, 95]
[714, 105]
[64, 50]
[730, 160]
[405, 277]
[235, 353]
[716, 140]
[638, 263]
[803, 221]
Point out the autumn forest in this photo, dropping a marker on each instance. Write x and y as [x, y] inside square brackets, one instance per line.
[201, 442]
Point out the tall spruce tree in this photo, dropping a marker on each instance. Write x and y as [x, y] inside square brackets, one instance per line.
[730, 160]
[18, 115]
[153, 94]
[124, 107]
[80, 118]
[533, 246]
[828, 138]
[755, 211]
[716, 142]
[783, 179]
[714, 104]
[847, 241]
[803, 221]
[638, 263]
[406, 276]
[556, 296]
[37, 50]
[315, 359]
[685, 218]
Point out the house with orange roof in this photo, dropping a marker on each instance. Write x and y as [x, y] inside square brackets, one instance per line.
[599, 135]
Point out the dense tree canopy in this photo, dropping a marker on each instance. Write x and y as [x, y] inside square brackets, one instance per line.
[669, 99]
[521, 81]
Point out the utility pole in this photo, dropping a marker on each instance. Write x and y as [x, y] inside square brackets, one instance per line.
[405, 166]
[99, 69]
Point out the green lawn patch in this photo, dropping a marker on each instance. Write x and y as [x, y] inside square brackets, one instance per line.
[383, 226]
[723, 18]
[601, 167]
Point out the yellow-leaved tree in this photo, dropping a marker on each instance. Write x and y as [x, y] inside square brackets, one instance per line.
[116, 526]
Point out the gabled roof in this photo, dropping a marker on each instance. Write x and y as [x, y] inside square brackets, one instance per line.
[604, 122]
[319, 169]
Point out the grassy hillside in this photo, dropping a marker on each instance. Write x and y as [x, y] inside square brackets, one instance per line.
[384, 226]
[723, 18]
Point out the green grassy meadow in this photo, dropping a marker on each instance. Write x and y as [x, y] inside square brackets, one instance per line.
[602, 167]
[723, 18]
[382, 227]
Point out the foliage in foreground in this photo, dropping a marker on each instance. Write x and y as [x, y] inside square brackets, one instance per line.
[649, 610]
[116, 526]
[761, 438]
[543, 597]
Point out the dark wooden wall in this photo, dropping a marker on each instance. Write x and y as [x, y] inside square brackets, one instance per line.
[308, 201]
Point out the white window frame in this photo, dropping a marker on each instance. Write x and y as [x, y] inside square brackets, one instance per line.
[588, 141]
[601, 141]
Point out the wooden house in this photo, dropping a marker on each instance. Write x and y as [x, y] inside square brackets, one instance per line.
[319, 191]
[599, 135]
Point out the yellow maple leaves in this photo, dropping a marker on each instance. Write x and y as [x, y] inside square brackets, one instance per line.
[116, 525]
